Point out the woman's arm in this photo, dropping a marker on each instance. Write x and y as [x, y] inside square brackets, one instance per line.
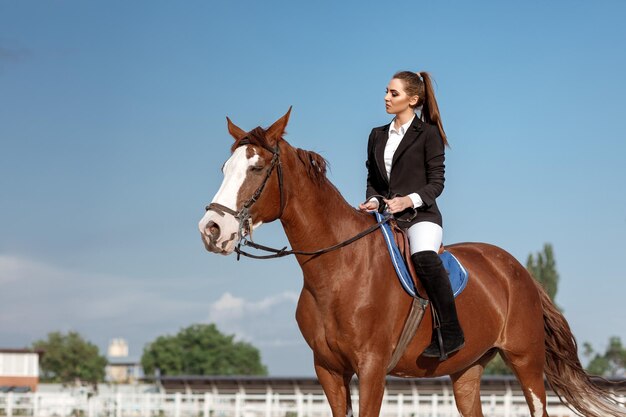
[370, 164]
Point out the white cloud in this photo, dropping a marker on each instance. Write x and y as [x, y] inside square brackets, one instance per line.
[269, 302]
[14, 268]
[278, 343]
[229, 307]
[267, 323]
[37, 298]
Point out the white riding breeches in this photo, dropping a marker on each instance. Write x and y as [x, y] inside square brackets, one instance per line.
[425, 236]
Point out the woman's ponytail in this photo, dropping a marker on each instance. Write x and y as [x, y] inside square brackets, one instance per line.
[420, 84]
[430, 109]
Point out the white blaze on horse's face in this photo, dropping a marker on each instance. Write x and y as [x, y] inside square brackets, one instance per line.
[219, 233]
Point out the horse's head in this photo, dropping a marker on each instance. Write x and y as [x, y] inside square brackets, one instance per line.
[251, 192]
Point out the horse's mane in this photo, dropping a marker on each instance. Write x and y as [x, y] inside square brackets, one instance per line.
[315, 165]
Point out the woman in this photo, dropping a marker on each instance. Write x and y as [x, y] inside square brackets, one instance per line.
[405, 171]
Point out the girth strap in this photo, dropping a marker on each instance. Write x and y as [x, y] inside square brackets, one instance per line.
[418, 307]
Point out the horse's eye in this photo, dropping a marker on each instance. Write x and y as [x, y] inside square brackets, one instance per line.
[255, 168]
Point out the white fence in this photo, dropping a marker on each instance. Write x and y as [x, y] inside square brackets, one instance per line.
[248, 405]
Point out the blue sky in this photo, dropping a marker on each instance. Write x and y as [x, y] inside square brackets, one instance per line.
[112, 135]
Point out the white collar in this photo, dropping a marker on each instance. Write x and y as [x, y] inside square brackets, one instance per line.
[403, 128]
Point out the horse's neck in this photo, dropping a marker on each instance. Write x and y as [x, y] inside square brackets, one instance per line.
[317, 216]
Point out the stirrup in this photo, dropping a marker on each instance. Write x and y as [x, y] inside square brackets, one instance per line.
[437, 344]
[439, 354]
[438, 347]
[430, 351]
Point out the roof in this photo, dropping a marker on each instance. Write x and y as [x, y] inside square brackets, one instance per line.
[205, 383]
[124, 361]
[23, 350]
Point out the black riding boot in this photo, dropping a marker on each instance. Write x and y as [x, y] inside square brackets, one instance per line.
[434, 278]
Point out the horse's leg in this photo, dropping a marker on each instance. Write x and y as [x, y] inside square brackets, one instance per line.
[346, 383]
[337, 389]
[466, 387]
[523, 344]
[528, 367]
[371, 390]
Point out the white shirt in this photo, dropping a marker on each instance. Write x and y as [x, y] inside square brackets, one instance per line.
[395, 137]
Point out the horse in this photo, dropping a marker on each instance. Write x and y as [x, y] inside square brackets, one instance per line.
[350, 311]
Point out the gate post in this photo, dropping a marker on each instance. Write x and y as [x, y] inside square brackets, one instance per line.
[508, 400]
[268, 404]
[118, 404]
[206, 407]
[35, 404]
[435, 405]
[237, 404]
[9, 404]
[177, 401]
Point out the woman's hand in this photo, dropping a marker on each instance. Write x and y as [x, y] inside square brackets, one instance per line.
[398, 204]
[369, 206]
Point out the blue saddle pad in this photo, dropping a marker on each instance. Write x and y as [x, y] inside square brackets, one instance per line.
[457, 274]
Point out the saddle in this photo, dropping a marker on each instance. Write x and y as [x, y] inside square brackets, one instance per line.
[398, 245]
[402, 240]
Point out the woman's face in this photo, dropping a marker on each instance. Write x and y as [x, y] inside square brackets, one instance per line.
[396, 99]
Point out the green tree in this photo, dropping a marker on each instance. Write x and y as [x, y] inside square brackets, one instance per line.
[612, 363]
[497, 366]
[201, 349]
[542, 267]
[67, 358]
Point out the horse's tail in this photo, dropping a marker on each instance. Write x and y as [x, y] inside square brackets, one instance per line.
[564, 372]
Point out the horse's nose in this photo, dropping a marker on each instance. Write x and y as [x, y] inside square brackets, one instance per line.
[213, 230]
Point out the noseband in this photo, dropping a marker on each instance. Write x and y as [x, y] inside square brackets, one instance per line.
[243, 215]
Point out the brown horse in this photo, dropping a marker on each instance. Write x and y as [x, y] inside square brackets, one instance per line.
[351, 309]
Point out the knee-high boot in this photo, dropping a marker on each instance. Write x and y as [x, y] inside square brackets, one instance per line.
[448, 336]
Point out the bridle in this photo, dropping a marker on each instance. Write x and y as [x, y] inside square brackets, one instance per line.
[245, 220]
[243, 216]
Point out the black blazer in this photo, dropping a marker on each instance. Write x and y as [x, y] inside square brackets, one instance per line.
[417, 167]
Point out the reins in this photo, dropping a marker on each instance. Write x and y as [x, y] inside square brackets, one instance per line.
[279, 253]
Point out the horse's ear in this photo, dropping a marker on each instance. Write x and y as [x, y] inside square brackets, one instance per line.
[276, 131]
[235, 131]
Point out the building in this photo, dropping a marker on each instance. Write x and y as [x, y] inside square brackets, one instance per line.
[121, 369]
[19, 370]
